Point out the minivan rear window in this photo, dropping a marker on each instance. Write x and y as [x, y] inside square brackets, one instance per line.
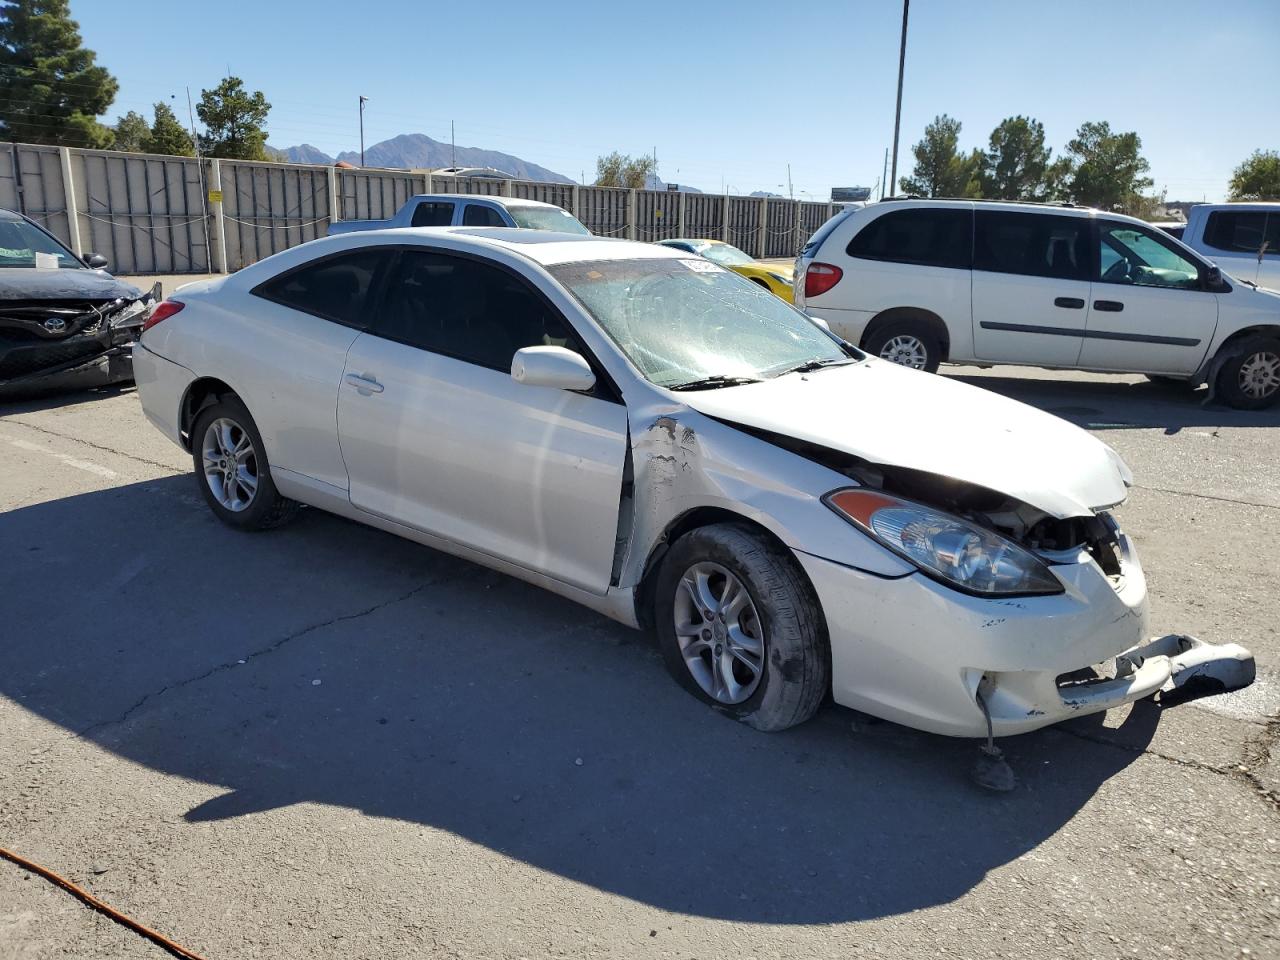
[820, 235]
[931, 237]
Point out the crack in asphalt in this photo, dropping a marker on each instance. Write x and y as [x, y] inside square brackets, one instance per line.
[89, 443]
[1256, 751]
[1208, 496]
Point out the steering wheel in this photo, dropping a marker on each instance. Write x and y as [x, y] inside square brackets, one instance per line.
[1118, 271]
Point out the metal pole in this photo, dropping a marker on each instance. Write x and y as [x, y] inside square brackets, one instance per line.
[362, 102]
[204, 194]
[897, 116]
[453, 147]
[884, 176]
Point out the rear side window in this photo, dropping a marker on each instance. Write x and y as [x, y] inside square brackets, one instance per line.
[820, 235]
[468, 310]
[929, 237]
[334, 288]
[433, 214]
[1239, 231]
[1032, 244]
[479, 216]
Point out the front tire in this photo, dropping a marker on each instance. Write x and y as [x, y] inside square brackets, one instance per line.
[740, 627]
[909, 342]
[1250, 377]
[232, 469]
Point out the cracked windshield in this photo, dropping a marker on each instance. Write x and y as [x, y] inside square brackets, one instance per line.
[689, 324]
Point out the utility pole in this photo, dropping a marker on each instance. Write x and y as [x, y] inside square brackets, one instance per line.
[897, 116]
[363, 100]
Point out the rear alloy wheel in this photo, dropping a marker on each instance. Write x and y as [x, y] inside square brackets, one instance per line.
[910, 343]
[1250, 377]
[740, 628]
[232, 470]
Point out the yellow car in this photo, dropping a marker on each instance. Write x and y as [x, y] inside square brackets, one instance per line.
[774, 277]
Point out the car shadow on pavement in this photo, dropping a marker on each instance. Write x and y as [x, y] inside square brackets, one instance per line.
[329, 663]
[1115, 404]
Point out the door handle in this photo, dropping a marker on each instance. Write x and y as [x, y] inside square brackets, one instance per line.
[364, 383]
[1071, 303]
[1108, 306]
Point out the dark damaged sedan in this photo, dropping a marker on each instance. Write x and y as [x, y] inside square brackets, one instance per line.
[64, 321]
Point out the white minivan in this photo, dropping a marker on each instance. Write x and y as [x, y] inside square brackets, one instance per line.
[921, 282]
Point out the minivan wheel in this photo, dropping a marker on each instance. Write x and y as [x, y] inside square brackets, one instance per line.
[232, 470]
[911, 343]
[740, 627]
[1250, 377]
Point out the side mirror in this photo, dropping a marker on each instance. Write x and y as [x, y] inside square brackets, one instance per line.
[96, 261]
[555, 367]
[1213, 277]
[822, 323]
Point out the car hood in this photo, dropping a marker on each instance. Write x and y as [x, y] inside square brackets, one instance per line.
[25, 283]
[893, 416]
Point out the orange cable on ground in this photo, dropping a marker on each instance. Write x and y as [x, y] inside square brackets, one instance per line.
[158, 938]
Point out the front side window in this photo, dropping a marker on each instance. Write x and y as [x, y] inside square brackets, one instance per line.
[1236, 231]
[547, 218]
[478, 215]
[1032, 244]
[682, 322]
[1134, 255]
[433, 214]
[25, 245]
[466, 309]
[334, 288]
[931, 237]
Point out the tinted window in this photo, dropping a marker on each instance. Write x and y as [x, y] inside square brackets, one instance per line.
[333, 288]
[819, 237]
[432, 215]
[1032, 244]
[931, 237]
[478, 216]
[466, 309]
[1141, 257]
[1241, 231]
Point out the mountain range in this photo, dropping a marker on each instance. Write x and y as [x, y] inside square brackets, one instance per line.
[418, 151]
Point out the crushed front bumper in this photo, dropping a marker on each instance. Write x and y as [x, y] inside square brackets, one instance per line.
[915, 652]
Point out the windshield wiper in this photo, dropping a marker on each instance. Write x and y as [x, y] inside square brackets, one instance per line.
[710, 383]
[811, 365]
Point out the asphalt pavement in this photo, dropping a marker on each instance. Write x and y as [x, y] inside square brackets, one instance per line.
[324, 741]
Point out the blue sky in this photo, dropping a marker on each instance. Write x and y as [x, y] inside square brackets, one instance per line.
[728, 94]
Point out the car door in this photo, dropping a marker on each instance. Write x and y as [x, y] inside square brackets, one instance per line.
[1030, 287]
[437, 435]
[309, 318]
[1151, 311]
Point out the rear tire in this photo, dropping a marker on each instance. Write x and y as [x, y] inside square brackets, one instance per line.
[763, 658]
[232, 469]
[908, 342]
[1250, 377]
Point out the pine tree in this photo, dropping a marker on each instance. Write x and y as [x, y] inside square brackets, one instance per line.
[233, 120]
[167, 135]
[51, 91]
[131, 132]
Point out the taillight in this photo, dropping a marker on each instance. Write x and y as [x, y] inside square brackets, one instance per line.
[819, 278]
[164, 309]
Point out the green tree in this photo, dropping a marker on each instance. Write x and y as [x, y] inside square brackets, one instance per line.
[50, 89]
[618, 170]
[1258, 178]
[1017, 165]
[167, 135]
[941, 169]
[131, 132]
[233, 120]
[1108, 170]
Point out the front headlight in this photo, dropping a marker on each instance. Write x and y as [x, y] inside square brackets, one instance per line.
[958, 553]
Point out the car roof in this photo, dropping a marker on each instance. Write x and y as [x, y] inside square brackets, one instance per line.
[1021, 206]
[10, 215]
[671, 240]
[501, 201]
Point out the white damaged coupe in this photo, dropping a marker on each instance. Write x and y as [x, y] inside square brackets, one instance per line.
[668, 443]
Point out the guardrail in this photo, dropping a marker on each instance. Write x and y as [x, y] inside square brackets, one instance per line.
[155, 214]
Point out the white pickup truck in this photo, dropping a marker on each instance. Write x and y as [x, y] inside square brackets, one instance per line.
[467, 210]
[1241, 238]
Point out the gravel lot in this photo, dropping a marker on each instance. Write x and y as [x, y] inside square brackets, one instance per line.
[325, 741]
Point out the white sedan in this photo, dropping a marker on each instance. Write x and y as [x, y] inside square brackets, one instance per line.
[667, 443]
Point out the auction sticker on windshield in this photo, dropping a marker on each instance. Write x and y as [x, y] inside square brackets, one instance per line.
[702, 266]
